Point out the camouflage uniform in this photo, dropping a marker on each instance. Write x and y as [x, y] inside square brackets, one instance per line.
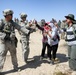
[25, 38]
[7, 39]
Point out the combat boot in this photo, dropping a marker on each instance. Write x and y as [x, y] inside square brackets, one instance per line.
[15, 68]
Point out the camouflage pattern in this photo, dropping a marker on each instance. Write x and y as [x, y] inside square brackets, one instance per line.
[7, 12]
[23, 15]
[7, 43]
[7, 39]
[25, 40]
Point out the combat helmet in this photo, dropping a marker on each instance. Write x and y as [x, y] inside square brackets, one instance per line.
[23, 15]
[7, 12]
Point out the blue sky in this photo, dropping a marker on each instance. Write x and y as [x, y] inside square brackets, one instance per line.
[40, 9]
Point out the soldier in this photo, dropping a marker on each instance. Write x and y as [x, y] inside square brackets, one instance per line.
[25, 38]
[7, 38]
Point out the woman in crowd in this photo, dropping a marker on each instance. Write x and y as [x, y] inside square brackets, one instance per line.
[44, 40]
[52, 43]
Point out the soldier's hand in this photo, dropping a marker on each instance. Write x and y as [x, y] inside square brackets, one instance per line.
[30, 24]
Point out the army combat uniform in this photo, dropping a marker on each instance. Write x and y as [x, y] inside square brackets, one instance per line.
[25, 38]
[7, 39]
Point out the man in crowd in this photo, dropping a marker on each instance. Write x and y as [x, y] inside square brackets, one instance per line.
[7, 38]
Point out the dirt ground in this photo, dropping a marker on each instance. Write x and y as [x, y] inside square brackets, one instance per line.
[35, 66]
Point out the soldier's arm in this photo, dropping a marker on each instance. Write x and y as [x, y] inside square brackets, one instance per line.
[2, 35]
[27, 26]
[30, 27]
[1, 23]
[22, 29]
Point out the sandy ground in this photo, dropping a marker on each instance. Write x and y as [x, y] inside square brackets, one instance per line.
[35, 66]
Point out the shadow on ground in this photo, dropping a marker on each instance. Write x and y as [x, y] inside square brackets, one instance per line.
[32, 63]
[35, 62]
[62, 57]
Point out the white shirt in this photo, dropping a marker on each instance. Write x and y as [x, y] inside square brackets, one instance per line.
[50, 39]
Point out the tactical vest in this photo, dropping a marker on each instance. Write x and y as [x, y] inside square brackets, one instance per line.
[8, 28]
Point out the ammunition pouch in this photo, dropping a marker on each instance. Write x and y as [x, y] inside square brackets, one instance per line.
[2, 35]
[12, 38]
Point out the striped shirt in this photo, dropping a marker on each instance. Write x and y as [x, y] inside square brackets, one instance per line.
[71, 39]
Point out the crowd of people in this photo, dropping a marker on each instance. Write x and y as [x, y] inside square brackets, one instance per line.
[50, 31]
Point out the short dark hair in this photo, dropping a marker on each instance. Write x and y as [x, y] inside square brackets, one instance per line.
[46, 24]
